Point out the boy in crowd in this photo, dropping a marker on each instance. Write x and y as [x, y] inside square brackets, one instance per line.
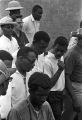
[35, 106]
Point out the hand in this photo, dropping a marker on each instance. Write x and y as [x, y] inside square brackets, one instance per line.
[61, 65]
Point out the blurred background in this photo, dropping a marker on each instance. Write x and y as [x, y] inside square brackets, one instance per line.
[60, 17]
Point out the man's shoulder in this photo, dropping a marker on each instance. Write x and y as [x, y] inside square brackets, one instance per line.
[72, 52]
[26, 19]
[50, 57]
[21, 107]
[3, 37]
[16, 75]
[46, 105]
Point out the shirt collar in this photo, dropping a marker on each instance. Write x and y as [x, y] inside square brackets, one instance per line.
[32, 18]
[51, 55]
[32, 105]
[20, 74]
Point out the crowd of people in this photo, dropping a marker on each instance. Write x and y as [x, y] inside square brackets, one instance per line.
[36, 83]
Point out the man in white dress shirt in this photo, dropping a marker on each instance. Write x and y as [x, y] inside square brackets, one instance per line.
[32, 22]
[51, 66]
[17, 91]
[40, 43]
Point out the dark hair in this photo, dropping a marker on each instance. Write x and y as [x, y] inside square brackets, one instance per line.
[41, 35]
[25, 50]
[62, 41]
[36, 7]
[39, 79]
[4, 55]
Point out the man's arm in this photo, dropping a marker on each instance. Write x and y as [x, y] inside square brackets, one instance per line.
[71, 93]
[68, 85]
[49, 71]
[56, 76]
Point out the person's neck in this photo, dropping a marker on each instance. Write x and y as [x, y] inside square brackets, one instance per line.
[51, 50]
[36, 108]
[8, 36]
[34, 47]
[17, 32]
[22, 72]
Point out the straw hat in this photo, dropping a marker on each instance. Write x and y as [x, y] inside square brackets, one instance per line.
[7, 20]
[14, 5]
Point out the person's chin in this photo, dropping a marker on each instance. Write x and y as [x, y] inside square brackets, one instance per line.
[41, 103]
[58, 57]
[38, 19]
[29, 69]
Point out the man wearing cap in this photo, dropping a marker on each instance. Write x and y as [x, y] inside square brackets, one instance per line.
[14, 7]
[35, 107]
[73, 64]
[7, 42]
[31, 23]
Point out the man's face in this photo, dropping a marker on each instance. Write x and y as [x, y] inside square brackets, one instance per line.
[41, 46]
[59, 51]
[27, 63]
[8, 29]
[37, 14]
[19, 24]
[80, 41]
[4, 86]
[39, 96]
[8, 63]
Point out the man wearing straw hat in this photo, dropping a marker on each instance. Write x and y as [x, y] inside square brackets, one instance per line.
[7, 42]
[14, 7]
